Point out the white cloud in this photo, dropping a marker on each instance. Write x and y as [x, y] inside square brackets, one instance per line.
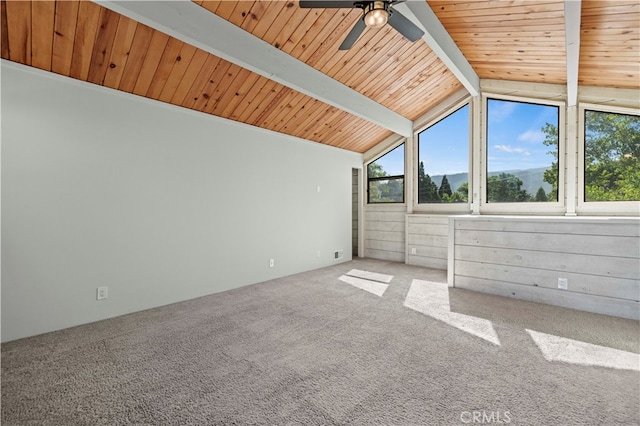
[531, 136]
[500, 111]
[511, 150]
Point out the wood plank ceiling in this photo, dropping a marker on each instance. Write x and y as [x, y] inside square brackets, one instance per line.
[525, 40]
[510, 40]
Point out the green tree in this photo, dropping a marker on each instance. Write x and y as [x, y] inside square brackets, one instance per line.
[385, 190]
[551, 174]
[391, 191]
[612, 157]
[463, 190]
[460, 196]
[427, 189]
[445, 187]
[612, 152]
[541, 195]
[375, 170]
[505, 187]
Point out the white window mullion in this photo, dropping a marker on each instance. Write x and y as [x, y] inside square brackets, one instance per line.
[571, 161]
[476, 155]
[409, 152]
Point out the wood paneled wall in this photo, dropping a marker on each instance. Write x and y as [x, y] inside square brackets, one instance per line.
[428, 236]
[523, 257]
[385, 232]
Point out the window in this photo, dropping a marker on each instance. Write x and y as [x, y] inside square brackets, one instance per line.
[385, 178]
[522, 151]
[611, 156]
[443, 160]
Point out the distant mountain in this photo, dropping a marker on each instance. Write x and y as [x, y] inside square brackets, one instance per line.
[455, 180]
[532, 179]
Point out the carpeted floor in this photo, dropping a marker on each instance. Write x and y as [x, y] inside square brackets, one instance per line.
[312, 349]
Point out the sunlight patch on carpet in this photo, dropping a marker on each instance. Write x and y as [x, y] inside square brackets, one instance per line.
[556, 348]
[367, 285]
[371, 276]
[432, 299]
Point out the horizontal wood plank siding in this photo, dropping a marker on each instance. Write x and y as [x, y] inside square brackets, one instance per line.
[566, 299]
[524, 257]
[584, 283]
[385, 232]
[428, 235]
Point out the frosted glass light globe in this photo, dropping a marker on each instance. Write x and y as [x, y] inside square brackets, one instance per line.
[376, 16]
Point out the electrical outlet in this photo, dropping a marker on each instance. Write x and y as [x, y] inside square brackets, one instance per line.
[413, 250]
[272, 263]
[102, 293]
[563, 283]
[338, 254]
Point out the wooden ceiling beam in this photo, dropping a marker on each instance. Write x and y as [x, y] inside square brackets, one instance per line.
[572, 13]
[439, 40]
[194, 25]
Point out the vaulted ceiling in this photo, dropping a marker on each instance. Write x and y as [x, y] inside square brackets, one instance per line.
[275, 65]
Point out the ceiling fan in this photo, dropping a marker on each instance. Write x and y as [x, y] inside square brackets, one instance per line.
[375, 14]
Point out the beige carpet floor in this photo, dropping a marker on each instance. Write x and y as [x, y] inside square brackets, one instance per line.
[313, 349]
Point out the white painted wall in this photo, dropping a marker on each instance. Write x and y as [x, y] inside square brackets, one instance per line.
[161, 204]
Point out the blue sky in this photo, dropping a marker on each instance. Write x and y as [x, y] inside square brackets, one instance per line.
[444, 147]
[514, 135]
[393, 161]
[514, 140]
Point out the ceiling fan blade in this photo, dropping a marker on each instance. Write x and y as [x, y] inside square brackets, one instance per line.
[404, 26]
[353, 35]
[326, 4]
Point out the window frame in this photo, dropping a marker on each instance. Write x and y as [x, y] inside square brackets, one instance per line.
[457, 208]
[368, 180]
[526, 207]
[611, 208]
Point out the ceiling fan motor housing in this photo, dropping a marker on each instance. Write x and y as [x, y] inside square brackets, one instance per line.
[376, 14]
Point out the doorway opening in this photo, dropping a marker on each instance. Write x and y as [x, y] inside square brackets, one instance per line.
[355, 207]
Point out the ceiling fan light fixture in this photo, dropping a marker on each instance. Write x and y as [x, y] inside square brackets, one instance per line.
[376, 14]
